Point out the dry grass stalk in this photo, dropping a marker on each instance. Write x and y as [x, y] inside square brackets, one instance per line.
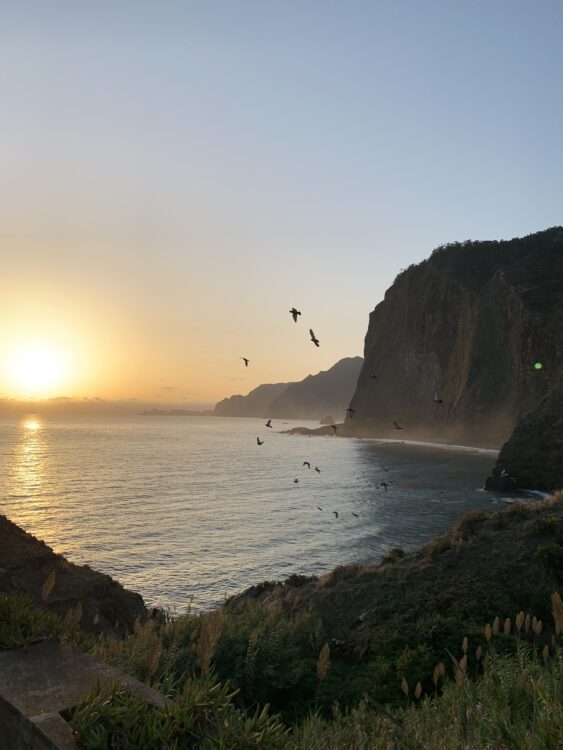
[96, 619]
[527, 624]
[73, 616]
[545, 653]
[323, 662]
[48, 586]
[538, 627]
[465, 645]
[418, 690]
[405, 686]
[153, 657]
[519, 621]
[507, 626]
[463, 663]
[478, 653]
[439, 672]
[557, 609]
[488, 632]
[208, 637]
[496, 625]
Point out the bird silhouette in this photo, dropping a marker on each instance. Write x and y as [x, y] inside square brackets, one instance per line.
[398, 426]
[295, 481]
[317, 470]
[294, 313]
[335, 513]
[384, 485]
[350, 412]
[307, 464]
[334, 427]
[355, 514]
[437, 399]
[245, 360]
[269, 423]
[260, 442]
[319, 507]
[314, 339]
[373, 376]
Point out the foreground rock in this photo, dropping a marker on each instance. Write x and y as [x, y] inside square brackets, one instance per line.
[26, 564]
[533, 456]
[469, 322]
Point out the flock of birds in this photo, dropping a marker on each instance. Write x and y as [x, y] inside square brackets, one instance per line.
[349, 411]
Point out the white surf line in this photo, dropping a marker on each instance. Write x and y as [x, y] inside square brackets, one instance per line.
[441, 446]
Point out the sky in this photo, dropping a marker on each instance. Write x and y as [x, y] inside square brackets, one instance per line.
[175, 176]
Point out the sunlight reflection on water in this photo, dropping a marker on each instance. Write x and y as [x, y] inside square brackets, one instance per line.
[191, 507]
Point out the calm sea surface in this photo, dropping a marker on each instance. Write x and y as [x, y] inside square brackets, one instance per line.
[192, 508]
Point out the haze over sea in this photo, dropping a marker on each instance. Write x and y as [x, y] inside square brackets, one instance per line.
[191, 508]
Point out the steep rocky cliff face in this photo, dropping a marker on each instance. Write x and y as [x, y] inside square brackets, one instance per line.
[532, 458]
[469, 322]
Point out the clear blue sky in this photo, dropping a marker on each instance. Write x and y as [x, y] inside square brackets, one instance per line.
[190, 170]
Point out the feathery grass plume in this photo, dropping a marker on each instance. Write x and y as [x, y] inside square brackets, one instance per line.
[405, 686]
[463, 663]
[465, 645]
[96, 619]
[539, 627]
[153, 657]
[208, 636]
[48, 586]
[73, 616]
[545, 653]
[519, 621]
[496, 625]
[418, 690]
[527, 623]
[488, 632]
[534, 623]
[323, 662]
[507, 626]
[478, 653]
[439, 672]
[557, 609]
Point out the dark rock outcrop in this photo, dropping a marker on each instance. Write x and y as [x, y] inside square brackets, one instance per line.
[26, 563]
[469, 322]
[533, 456]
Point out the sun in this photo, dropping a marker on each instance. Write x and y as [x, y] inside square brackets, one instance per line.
[36, 370]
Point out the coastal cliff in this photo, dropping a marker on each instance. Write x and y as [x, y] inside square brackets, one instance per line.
[470, 322]
[327, 392]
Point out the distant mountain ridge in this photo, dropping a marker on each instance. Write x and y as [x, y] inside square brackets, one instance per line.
[327, 392]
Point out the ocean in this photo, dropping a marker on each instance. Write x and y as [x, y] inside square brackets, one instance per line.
[188, 510]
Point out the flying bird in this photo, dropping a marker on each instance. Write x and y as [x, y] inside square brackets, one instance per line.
[245, 360]
[398, 426]
[294, 313]
[317, 470]
[373, 376]
[260, 442]
[295, 481]
[319, 507]
[437, 399]
[355, 514]
[335, 513]
[350, 412]
[307, 464]
[314, 339]
[384, 485]
[269, 423]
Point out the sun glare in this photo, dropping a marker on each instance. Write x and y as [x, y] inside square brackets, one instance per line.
[36, 370]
